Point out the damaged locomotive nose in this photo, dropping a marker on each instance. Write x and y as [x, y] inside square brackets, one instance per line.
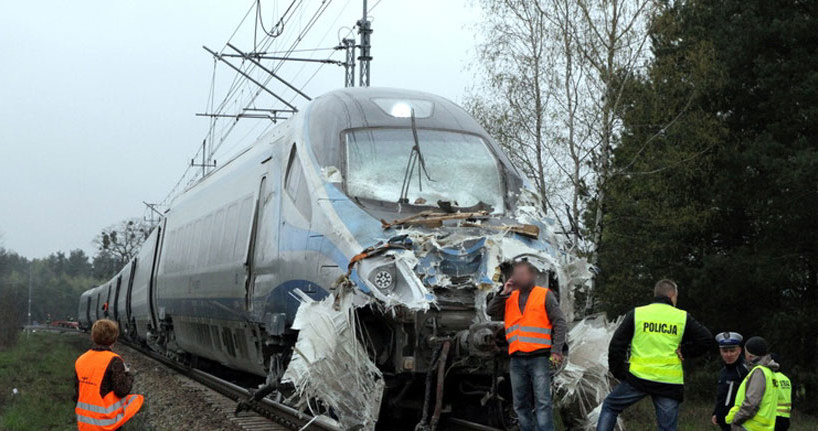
[391, 279]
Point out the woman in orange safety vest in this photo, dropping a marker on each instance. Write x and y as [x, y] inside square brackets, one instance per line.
[103, 384]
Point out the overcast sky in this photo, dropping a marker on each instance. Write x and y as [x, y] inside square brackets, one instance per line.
[97, 98]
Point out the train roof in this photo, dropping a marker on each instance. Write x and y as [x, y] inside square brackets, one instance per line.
[327, 116]
[357, 107]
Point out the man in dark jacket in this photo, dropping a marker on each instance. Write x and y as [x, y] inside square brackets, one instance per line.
[732, 374]
[535, 330]
[659, 336]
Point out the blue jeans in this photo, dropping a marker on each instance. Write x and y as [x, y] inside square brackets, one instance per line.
[531, 386]
[624, 395]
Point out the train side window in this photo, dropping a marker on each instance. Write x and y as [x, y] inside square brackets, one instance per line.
[229, 237]
[177, 248]
[186, 247]
[243, 228]
[218, 228]
[296, 185]
[204, 239]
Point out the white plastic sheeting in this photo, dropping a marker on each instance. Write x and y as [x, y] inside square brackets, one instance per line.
[583, 383]
[329, 363]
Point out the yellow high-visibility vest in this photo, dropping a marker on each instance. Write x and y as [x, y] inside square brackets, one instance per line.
[764, 420]
[784, 395]
[657, 335]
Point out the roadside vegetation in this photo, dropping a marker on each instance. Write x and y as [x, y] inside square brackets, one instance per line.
[41, 368]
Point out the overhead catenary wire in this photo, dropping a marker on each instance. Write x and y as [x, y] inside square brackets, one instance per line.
[240, 95]
[279, 26]
[298, 39]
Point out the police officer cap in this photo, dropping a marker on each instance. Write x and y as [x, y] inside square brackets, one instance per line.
[757, 346]
[729, 339]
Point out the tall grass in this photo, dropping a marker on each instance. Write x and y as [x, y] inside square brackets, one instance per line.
[41, 368]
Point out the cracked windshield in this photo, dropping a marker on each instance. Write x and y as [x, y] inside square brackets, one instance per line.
[460, 168]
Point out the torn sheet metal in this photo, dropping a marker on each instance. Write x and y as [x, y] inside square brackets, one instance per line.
[419, 266]
[394, 281]
[329, 363]
[583, 383]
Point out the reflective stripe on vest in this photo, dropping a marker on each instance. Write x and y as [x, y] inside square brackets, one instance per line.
[784, 407]
[94, 412]
[764, 419]
[657, 334]
[530, 329]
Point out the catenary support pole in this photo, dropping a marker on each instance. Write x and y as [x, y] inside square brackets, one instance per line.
[365, 30]
[30, 283]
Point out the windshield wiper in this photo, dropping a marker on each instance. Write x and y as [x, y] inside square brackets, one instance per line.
[414, 157]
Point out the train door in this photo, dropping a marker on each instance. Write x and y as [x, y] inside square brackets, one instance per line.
[251, 254]
[152, 283]
[128, 294]
[116, 297]
[88, 310]
[97, 306]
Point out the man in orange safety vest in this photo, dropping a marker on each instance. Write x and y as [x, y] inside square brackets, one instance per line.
[535, 331]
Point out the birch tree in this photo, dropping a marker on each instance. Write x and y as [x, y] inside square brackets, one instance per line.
[549, 89]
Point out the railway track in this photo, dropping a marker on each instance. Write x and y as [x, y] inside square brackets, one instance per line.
[271, 415]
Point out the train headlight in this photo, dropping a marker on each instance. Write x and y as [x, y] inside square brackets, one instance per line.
[383, 280]
[390, 278]
[401, 110]
[384, 277]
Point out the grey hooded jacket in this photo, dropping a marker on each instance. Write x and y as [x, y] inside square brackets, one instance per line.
[753, 392]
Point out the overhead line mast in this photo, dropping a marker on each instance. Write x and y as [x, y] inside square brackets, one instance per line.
[365, 30]
[255, 57]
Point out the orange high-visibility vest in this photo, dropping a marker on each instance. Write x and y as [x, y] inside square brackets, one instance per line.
[95, 413]
[528, 330]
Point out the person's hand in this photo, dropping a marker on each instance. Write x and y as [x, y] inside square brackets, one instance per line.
[556, 358]
[679, 354]
[507, 287]
[713, 419]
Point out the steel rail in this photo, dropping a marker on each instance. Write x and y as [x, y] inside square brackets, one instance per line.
[275, 411]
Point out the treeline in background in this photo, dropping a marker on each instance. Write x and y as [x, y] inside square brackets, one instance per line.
[58, 280]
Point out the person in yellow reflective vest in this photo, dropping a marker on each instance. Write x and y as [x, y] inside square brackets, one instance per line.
[659, 335]
[102, 384]
[782, 413]
[757, 397]
[535, 331]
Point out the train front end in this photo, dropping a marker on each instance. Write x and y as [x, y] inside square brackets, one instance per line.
[429, 214]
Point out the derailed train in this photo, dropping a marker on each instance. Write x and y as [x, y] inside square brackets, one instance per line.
[349, 251]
